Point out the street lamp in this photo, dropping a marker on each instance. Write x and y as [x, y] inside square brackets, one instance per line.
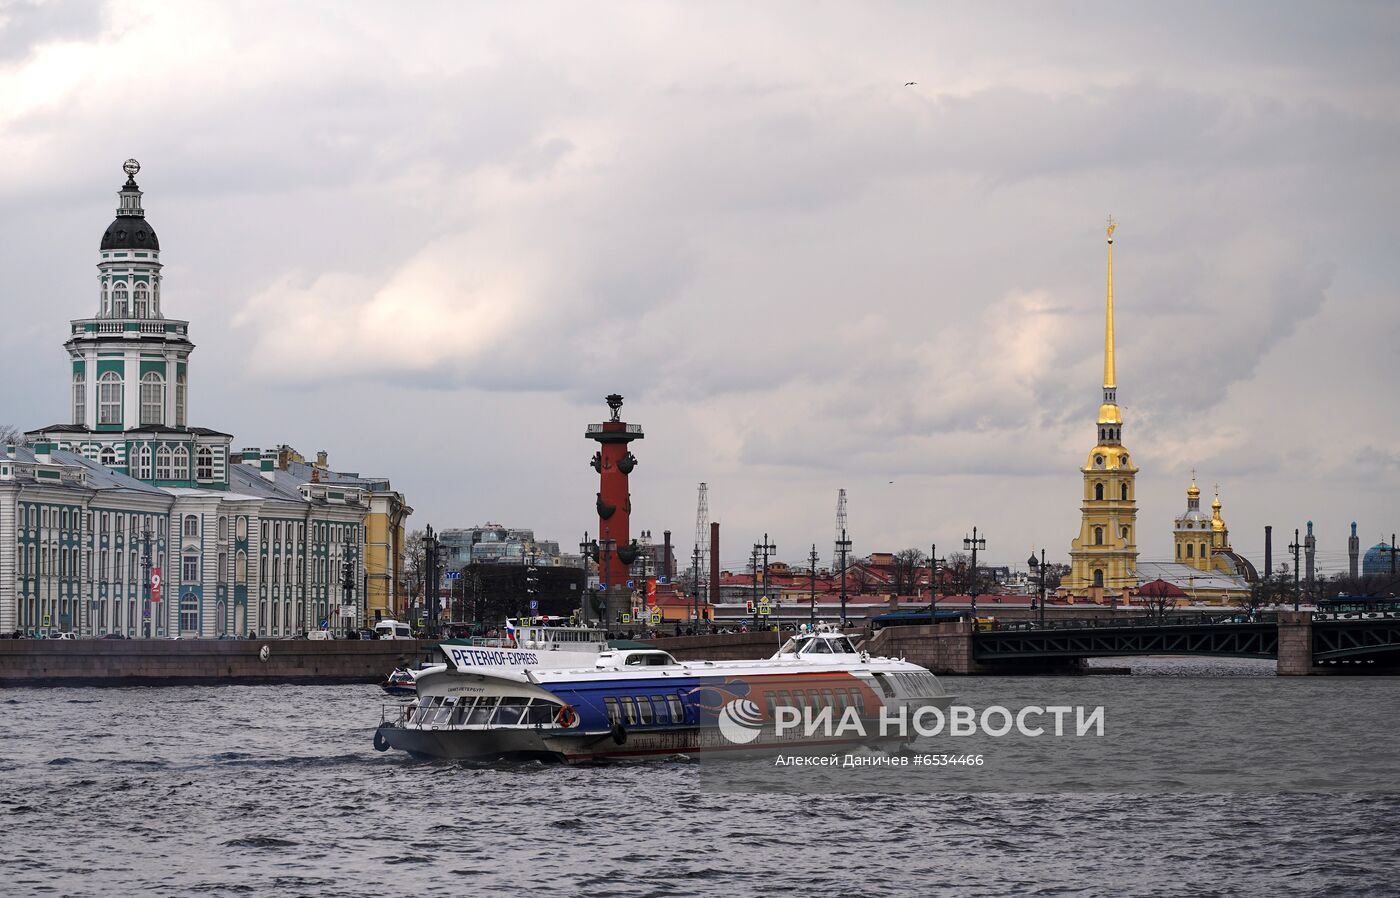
[1039, 568]
[974, 543]
[933, 562]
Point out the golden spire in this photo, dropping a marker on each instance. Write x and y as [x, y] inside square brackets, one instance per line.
[1193, 491]
[1109, 370]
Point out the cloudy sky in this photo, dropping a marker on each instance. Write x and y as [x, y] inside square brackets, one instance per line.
[430, 237]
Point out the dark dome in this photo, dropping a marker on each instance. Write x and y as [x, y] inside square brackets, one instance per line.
[130, 232]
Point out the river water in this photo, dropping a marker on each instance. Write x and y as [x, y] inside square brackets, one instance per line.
[276, 791]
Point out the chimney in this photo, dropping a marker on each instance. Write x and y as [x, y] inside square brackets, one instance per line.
[10, 451]
[267, 465]
[41, 452]
[251, 456]
[1269, 550]
[666, 556]
[1353, 550]
[714, 562]
[323, 459]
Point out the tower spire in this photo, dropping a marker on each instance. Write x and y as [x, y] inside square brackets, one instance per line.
[1110, 374]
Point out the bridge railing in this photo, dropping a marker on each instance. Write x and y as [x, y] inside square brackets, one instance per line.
[1170, 619]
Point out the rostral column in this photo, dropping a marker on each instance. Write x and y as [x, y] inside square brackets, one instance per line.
[614, 550]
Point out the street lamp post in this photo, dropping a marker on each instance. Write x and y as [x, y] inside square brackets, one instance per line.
[695, 589]
[843, 546]
[813, 560]
[933, 561]
[975, 543]
[1039, 568]
[147, 612]
[347, 580]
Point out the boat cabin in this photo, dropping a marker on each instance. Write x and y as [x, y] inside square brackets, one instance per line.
[811, 644]
[636, 658]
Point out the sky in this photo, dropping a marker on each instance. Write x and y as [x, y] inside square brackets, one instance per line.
[429, 238]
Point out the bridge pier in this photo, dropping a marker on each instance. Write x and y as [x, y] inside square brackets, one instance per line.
[945, 648]
[1295, 644]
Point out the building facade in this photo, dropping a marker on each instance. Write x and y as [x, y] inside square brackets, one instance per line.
[1104, 555]
[128, 520]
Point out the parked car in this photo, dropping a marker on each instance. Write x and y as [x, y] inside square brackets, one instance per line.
[111, 636]
[66, 634]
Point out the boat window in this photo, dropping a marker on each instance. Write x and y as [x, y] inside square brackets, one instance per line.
[635, 659]
[677, 709]
[661, 709]
[829, 698]
[643, 710]
[541, 713]
[510, 711]
[789, 648]
[885, 686]
[444, 711]
[459, 713]
[481, 714]
[843, 646]
[614, 715]
[629, 709]
[815, 698]
[818, 647]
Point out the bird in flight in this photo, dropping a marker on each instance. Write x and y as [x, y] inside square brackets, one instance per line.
[910, 83]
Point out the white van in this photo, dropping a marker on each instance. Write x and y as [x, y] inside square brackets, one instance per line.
[392, 629]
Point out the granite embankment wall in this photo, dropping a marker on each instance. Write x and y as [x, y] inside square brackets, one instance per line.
[156, 662]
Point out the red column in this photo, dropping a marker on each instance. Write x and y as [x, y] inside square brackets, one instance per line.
[614, 461]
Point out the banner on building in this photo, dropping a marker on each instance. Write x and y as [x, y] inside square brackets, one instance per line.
[651, 590]
[155, 584]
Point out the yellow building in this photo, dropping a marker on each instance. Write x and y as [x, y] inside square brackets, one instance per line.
[1204, 543]
[1103, 558]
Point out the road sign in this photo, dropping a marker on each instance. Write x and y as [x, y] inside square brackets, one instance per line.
[763, 610]
[655, 617]
[763, 602]
[534, 605]
[454, 575]
[626, 618]
[47, 621]
[325, 623]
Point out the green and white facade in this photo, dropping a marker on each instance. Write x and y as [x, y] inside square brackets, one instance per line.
[239, 545]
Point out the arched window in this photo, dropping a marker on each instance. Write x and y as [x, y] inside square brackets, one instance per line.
[109, 398]
[164, 458]
[182, 463]
[191, 525]
[1098, 576]
[142, 470]
[106, 301]
[189, 612]
[240, 568]
[1124, 490]
[180, 399]
[241, 528]
[119, 300]
[1178, 551]
[1190, 550]
[139, 298]
[152, 398]
[108, 456]
[1098, 491]
[1203, 550]
[1125, 535]
[79, 398]
[1098, 536]
[155, 299]
[223, 529]
[222, 567]
[204, 470]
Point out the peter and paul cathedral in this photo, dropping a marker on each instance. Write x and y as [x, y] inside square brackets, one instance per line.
[1103, 558]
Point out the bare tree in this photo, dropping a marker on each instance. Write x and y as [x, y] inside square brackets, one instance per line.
[10, 435]
[859, 579]
[1157, 600]
[905, 571]
[415, 564]
[1265, 591]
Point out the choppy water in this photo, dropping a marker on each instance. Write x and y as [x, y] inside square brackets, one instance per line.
[276, 791]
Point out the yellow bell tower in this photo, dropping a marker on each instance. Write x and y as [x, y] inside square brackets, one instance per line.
[1104, 555]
